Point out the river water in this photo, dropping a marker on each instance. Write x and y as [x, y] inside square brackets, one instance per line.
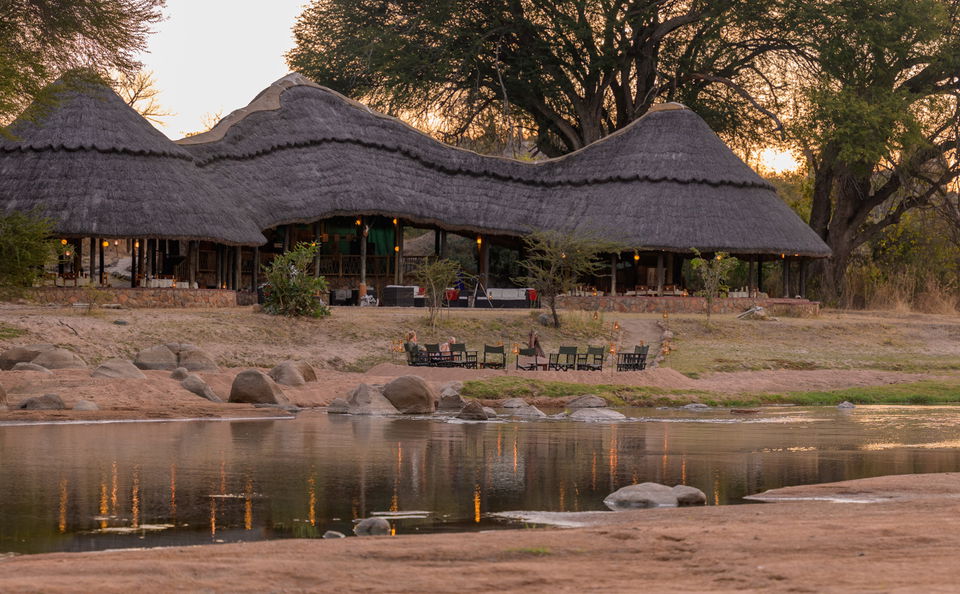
[88, 487]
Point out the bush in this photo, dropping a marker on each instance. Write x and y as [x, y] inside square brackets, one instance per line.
[292, 290]
[25, 247]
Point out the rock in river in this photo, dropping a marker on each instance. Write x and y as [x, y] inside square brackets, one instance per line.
[45, 402]
[255, 387]
[587, 401]
[368, 400]
[473, 411]
[372, 527]
[596, 414]
[654, 495]
[409, 394]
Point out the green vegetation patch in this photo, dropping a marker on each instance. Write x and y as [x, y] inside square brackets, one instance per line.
[923, 392]
[7, 331]
[518, 387]
[535, 551]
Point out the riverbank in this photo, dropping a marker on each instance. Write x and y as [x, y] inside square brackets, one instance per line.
[862, 357]
[902, 543]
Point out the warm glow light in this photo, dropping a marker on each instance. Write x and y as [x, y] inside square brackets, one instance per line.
[116, 242]
[777, 161]
[63, 242]
[396, 248]
[359, 222]
[616, 326]
[479, 240]
[636, 257]
[105, 243]
[395, 221]
[136, 244]
[66, 254]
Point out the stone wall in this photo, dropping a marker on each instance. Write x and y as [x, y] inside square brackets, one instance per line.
[141, 297]
[801, 308]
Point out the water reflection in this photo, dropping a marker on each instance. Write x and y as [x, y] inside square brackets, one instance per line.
[87, 487]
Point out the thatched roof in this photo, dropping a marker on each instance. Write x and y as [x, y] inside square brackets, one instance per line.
[300, 152]
[95, 166]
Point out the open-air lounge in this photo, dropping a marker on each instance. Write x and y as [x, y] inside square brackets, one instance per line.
[302, 163]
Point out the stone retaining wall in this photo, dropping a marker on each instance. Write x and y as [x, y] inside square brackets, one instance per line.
[141, 297]
[800, 308]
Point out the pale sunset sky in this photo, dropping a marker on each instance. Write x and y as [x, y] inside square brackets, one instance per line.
[213, 55]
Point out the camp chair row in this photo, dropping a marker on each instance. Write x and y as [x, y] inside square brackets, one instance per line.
[494, 357]
[569, 358]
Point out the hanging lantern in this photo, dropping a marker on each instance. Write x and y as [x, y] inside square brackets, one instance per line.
[136, 244]
[67, 253]
[395, 221]
[63, 242]
[116, 242]
[105, 243]
[396, 248]
[358, 222]
[636, 256]
[479, 241]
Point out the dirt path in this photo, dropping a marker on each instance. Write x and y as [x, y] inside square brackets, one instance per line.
[905, 545]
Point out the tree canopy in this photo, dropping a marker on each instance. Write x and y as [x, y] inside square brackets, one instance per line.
[568, 73]
[42, 39]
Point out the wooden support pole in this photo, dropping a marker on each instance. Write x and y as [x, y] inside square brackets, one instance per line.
[93, 260]
[317, 238]
[785, 270]
[398, 265]
[485, 264]
[613, 274]
[659, 273]
[103, 278]
[751, 275]
[443, 244]
[803, 278]
[78, 257]
[363, 252]
[759, 274]
[133, 264]
[437, 247]
[286, 238]
[255, 273]
[191, 263]
[238, 268]
[219, 252]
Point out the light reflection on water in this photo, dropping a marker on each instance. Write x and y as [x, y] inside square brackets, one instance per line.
[90, 487]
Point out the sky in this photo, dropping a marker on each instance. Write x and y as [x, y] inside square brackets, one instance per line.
[213, 55]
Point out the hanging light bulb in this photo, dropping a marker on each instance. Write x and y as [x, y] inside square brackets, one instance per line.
[395, 221]
[116, 242]
[636, 256]
[136, 244]
[105, 243]
[63, 242]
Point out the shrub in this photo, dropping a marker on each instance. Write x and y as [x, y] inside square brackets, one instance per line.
[291, 290]
[25, 247]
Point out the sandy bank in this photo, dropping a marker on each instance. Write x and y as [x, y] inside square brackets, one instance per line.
[904, 544]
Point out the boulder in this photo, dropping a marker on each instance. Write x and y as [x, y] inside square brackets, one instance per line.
[22, 354]
[333, 534]
[118, 369]
[491, 414]
[451, 403]
[3, 396]
[31, 367]
[473, 411]
[85, 405]
[514, 403]
[596, 414]
[409, 394]
[196, 360]
[695, 406]
[45, 402]
[256, 387]
[288, 374]
[158, 357]
[372, 527]
[59, 359]
[846, 404]
[451, 389]
[545, 320]
[306, 370]
[368, 400]
[687, 495]
[338, 406]
[528, 412]
[587, 401]
[642, 495]
[180, 373]
[194, 383]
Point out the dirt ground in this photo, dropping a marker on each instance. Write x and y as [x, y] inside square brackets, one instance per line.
[907, 542]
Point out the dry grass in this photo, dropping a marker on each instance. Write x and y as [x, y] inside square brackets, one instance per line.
[835, 340]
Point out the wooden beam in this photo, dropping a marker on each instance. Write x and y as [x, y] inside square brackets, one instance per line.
[759, 274]
[785, 271]
[255, 273]
[102, 277]
[317, 237]
[191, 263]
[133, 265]
[803, 278]
[659, 273]
[613, 274]
[238, 268]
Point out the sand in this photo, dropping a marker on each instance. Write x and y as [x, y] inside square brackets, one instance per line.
[905, 543]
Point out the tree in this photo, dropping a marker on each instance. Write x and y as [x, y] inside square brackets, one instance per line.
[207, 122]
[291, 290]
[569, 72]
[25, 247]
[42, 39]
[140, 92]
[713, 273]
[435, 276]
[878, 116]
[555, 262]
